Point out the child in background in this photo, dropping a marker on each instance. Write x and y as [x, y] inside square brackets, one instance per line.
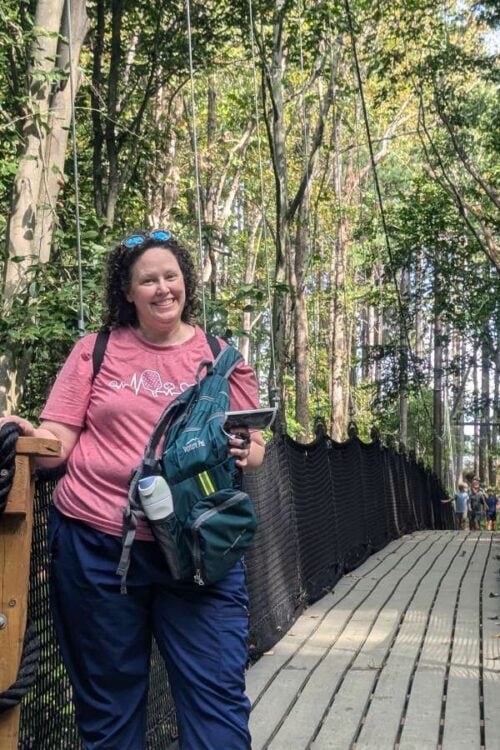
[491, 512]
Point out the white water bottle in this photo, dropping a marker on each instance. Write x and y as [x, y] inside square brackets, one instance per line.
[156, 497]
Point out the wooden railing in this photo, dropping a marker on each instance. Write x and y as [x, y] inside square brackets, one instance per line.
[16, 524]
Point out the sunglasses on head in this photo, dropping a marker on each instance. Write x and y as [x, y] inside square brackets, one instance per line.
[161, 235]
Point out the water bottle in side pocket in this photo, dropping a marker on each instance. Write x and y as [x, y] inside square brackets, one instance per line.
[158, 505]
[156, 497]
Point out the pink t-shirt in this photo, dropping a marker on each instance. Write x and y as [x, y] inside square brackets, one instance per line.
[117, 414]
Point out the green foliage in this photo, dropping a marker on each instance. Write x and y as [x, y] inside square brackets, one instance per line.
[43, 325]
[430, 86]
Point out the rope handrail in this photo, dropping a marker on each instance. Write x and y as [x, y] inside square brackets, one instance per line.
[28, 670]
[9, 432]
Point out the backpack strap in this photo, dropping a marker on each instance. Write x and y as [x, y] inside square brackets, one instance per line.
[226, 361]
[100, 345]
[213, 342]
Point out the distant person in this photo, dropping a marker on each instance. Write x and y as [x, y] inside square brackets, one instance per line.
[491, 512]
[476, 505]
[461, 498]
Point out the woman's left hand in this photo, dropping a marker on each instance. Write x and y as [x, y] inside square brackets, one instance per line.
[239, 447]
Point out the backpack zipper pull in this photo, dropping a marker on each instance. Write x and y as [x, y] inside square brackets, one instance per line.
[198, 579]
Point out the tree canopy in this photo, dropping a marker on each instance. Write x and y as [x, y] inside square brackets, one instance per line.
[333, 165]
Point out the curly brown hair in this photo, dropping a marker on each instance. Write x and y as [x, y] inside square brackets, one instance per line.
[118, 310]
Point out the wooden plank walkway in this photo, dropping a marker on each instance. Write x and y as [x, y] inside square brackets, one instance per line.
[403, 654]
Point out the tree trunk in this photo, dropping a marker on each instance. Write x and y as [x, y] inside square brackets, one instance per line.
[339, 378]
[419, 322]
[163, 187]
[276, 131]
[41, 167]
[366, 336]
[495, 412]
[40, 174]
[438, 383]
[476, 411]
[403, 364]
[301, 324]
[248, 317]
[210, 201]
[273, 86]
[112, 118]
[448, 446]
[484, 427]
[98, 170]
[338, 366]
[379, 339]
[459, 355]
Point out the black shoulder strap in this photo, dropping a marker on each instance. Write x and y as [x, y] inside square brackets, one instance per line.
[213, 342]
[100, 345]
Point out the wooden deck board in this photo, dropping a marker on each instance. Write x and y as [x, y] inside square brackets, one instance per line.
[290, 677]
[373, 654]
[491, 649]
[384, 717]
[463, 679]
[365, 668]
[346, 627]
[423, 713]
[263, 671]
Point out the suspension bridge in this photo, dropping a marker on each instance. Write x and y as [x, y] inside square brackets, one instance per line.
[373, 622]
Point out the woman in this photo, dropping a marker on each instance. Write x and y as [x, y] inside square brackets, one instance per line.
[105, 637]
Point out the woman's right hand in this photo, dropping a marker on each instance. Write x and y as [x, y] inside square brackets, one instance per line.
[24, 425]
[66, 434]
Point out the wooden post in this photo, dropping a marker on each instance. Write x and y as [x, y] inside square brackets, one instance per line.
[16, 524]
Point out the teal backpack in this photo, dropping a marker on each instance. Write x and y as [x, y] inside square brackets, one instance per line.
[214, 520]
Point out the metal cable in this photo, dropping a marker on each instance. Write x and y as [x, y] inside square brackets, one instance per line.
[81, 319]
[196, 165]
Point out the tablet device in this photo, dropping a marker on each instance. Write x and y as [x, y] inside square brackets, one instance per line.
[252, 419]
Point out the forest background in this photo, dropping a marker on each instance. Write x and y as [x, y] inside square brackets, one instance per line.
[334, 165]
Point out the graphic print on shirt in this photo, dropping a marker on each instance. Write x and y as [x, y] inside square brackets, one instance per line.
[150, 380]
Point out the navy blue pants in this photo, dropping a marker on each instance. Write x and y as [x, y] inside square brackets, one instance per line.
[105, 640]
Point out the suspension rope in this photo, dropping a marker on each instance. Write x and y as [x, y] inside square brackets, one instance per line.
[263, 209]
[81, 318]
[28, 669]
[382, 210]
[196, 163]
[9, 432]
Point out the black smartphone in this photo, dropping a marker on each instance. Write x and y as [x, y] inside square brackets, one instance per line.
[252, 419]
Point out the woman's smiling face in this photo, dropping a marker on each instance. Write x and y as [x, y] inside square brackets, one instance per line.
[157, 290]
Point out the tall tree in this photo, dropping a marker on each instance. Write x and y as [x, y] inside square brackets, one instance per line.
[41, 173]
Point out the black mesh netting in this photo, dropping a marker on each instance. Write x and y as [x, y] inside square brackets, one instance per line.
[323, 508]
